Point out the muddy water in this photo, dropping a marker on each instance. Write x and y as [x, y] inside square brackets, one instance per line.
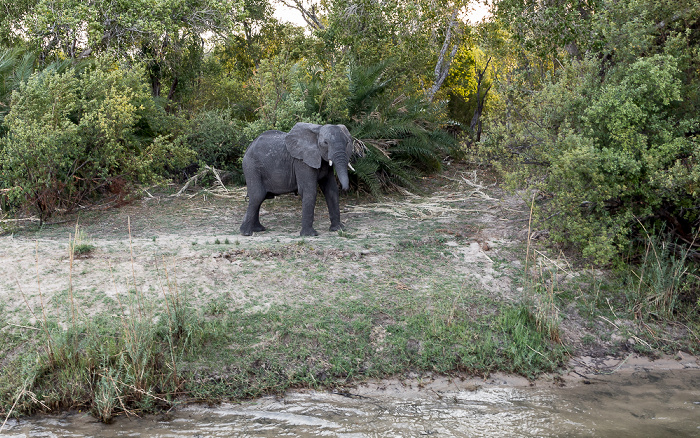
[636, 403]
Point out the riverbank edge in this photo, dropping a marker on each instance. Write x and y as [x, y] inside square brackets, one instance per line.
[580, 370]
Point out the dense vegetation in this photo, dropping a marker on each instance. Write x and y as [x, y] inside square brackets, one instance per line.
[97, 99]
[600, 110]
[588, 107]
[592, 103]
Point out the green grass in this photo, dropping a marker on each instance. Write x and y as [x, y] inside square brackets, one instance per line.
[163, 351]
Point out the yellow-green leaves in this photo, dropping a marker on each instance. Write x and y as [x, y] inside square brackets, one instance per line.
[70, 136]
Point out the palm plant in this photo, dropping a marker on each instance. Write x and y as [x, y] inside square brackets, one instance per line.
[15, 68]
[402, 134]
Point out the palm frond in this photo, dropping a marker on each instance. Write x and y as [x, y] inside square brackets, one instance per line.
[15, 68]
[420, 152]
[366, 83]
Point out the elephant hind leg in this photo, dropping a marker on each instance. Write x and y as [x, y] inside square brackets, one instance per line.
[251, 222]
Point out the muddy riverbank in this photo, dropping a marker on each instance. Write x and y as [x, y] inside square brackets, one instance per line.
[627, 397]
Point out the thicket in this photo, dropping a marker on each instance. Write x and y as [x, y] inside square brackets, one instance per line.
[144, 100]
[605, 125]
[77, 133]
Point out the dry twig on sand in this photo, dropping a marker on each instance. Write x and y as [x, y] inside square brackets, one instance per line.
[219, 189]
[439, 205]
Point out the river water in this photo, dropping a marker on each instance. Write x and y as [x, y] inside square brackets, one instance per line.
[627, 402]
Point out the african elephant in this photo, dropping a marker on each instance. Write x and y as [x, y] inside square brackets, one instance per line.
[277, 162]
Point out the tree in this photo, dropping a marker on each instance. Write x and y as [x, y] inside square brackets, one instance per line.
[169, 36]
[544, 27]
[612, 137]
[442, 67]
[309, 12]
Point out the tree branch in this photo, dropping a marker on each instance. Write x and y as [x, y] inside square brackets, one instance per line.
[308, 14]
[442, 67]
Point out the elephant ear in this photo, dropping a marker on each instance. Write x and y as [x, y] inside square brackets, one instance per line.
[302, 144]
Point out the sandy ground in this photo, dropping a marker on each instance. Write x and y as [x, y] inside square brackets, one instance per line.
[582, 370]
[164, 245]
[191, 243]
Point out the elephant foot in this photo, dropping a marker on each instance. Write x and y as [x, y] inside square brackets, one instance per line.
[308, 233]
[337, 227]
[248, 231]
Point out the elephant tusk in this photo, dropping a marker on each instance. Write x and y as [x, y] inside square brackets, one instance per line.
[330, 163]
[351, 168]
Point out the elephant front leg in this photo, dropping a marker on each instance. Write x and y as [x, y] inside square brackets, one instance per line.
[306, 183]
[330, 192]
[307, 214]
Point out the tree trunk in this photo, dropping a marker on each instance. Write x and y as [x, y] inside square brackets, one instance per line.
[307, 13]
[475, 125]
[442, 67]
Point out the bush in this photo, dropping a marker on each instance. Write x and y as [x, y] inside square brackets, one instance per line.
[75, 136]
[218, 140]
[612, 154]
[610, 138]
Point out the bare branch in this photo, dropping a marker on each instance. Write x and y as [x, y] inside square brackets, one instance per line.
[442, 67]
[309, 14]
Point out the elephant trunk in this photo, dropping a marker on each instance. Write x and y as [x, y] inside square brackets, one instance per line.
[340, 162]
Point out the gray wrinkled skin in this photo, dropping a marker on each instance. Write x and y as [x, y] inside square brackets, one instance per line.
[277, 163]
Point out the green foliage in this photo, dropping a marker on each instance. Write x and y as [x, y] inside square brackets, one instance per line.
[410, 34]
[263, 38]
[402, 134]
[326, 91]
[73, 136]
[145, 353]
[164, 35]
[81, 244]
[663, 282]
[461, 85]
[279, 84]
[118, 26]
[218, 89]
[217, 140]
[545, 28]
[105, 364]
[612, 138]
[15, 67]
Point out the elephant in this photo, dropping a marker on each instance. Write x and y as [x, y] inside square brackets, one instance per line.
[277, 162]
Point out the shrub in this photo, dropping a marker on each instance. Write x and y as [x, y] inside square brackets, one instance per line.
[610, 138]
[74, 136]
[218, 140]
[611, 154]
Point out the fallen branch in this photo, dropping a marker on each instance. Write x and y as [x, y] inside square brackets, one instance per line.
[221, 190]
